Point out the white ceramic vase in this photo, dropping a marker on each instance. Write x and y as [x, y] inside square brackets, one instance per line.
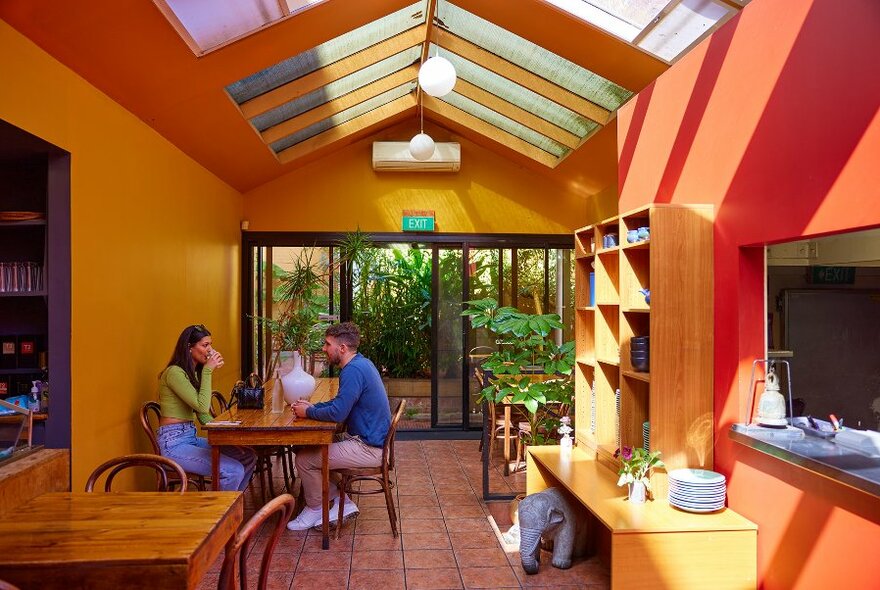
[637, 492]
[297, 383]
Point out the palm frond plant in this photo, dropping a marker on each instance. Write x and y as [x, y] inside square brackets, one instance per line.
[529, 368]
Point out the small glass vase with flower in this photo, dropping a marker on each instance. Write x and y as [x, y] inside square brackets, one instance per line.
[635, 466]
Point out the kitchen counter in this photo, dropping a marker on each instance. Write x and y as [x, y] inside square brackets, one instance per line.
[851, 467]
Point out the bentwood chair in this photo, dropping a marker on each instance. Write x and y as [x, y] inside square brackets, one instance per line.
[150, 414]
[376, 479]
[161, 465]
[240, 546]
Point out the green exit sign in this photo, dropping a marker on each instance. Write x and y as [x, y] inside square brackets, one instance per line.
[418, 221]
[832, 275]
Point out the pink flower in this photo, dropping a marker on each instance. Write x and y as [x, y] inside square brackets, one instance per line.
[627, 453]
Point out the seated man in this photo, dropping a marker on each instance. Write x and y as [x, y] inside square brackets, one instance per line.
[362, 404]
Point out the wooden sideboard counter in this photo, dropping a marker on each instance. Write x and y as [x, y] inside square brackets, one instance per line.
[38, 472]
[651, 545]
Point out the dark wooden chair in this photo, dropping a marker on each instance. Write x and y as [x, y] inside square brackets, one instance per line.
[161, 465]
[264, 454]
[374, 480]
[150, 414]
[240, 546]
[218, 403]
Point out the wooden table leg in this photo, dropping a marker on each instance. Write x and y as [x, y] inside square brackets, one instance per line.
[506, 439]
[325, 497]
[215, 467]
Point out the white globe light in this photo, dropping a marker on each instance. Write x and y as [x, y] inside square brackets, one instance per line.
[421, 146]
[437, 76]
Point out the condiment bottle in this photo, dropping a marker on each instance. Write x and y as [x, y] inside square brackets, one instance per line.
[277, 395]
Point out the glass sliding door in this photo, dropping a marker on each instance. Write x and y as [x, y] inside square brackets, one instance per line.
[451, 406]
[407, 298]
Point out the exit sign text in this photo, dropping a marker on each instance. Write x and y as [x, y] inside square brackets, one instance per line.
[418, 221]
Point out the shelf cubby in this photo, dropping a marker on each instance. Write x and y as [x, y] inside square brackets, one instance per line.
[584, 244]
[582, 269]
[635, 275]
[584, 341]
[607, 269]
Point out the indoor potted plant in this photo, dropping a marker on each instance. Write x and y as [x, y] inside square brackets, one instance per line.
[529, 368]
[635, 468]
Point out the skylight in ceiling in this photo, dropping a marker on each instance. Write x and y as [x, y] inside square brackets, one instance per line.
[665, 29]
[206, 25]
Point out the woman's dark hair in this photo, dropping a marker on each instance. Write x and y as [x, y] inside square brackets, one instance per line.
[181, 356]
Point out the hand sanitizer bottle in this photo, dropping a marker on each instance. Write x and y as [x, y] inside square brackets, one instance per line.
[277, 395]
[565, 442]
[34, 401]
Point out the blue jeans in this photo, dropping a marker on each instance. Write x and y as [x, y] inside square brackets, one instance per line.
[179, 443]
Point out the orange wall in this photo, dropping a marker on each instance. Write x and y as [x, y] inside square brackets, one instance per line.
[775, 121]
[341, 192]
[155, 246]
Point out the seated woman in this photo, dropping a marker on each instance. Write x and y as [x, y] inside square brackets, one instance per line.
[184, 388]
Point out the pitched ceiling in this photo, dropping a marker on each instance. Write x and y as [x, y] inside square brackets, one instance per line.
[536, 83]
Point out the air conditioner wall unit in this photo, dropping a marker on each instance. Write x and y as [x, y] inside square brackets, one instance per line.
[394, 156]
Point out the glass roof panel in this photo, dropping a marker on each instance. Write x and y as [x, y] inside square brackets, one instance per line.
[532, 57]
[598, 18]
[637, 12]
[342, 117]
[506, 124]
[327, 53]
[684, 24]
[337, 88]
[211, 23]
[520, 96]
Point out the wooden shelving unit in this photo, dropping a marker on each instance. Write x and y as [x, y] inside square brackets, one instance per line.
[675, 263]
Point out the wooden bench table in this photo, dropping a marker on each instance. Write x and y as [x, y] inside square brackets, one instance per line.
[127, 540]
[651, 545]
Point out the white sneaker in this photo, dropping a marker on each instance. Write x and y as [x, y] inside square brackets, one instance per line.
[350, 509]
[308, 518]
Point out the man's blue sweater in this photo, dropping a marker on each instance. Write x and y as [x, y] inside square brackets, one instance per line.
[361, 402]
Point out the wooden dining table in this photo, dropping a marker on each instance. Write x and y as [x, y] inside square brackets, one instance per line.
[126, 540]
[265, 428]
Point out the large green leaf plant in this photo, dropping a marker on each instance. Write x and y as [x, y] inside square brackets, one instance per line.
[529, 368]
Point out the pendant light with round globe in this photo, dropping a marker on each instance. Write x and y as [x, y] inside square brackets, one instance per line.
[437, 76]
[421, 147]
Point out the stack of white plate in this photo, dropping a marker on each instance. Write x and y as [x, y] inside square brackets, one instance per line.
[697, 490]
[646, 436]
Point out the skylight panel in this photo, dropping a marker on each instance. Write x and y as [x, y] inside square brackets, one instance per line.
[209, 24]
[327, 53]
[520, 96]
[336, 89]
[505, 124]
[532, 57]
[342, 117]
[685, 24]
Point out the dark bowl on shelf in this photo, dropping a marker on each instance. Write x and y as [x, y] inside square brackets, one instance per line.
[640, 366]
[638, 343]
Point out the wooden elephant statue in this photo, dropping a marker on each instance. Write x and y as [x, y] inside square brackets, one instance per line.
[549, 514]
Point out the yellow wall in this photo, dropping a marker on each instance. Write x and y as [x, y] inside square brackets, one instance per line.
[155, 246]
[341, 192]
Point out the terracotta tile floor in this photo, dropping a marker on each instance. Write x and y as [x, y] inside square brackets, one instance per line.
[446, 539]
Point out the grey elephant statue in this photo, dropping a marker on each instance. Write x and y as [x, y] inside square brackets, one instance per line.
[550, 515]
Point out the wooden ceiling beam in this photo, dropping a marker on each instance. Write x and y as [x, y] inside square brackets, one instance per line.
[476, 124]
[338, 105]
[340, 132]
[314, 80]
[521, 76]
[520, 115]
